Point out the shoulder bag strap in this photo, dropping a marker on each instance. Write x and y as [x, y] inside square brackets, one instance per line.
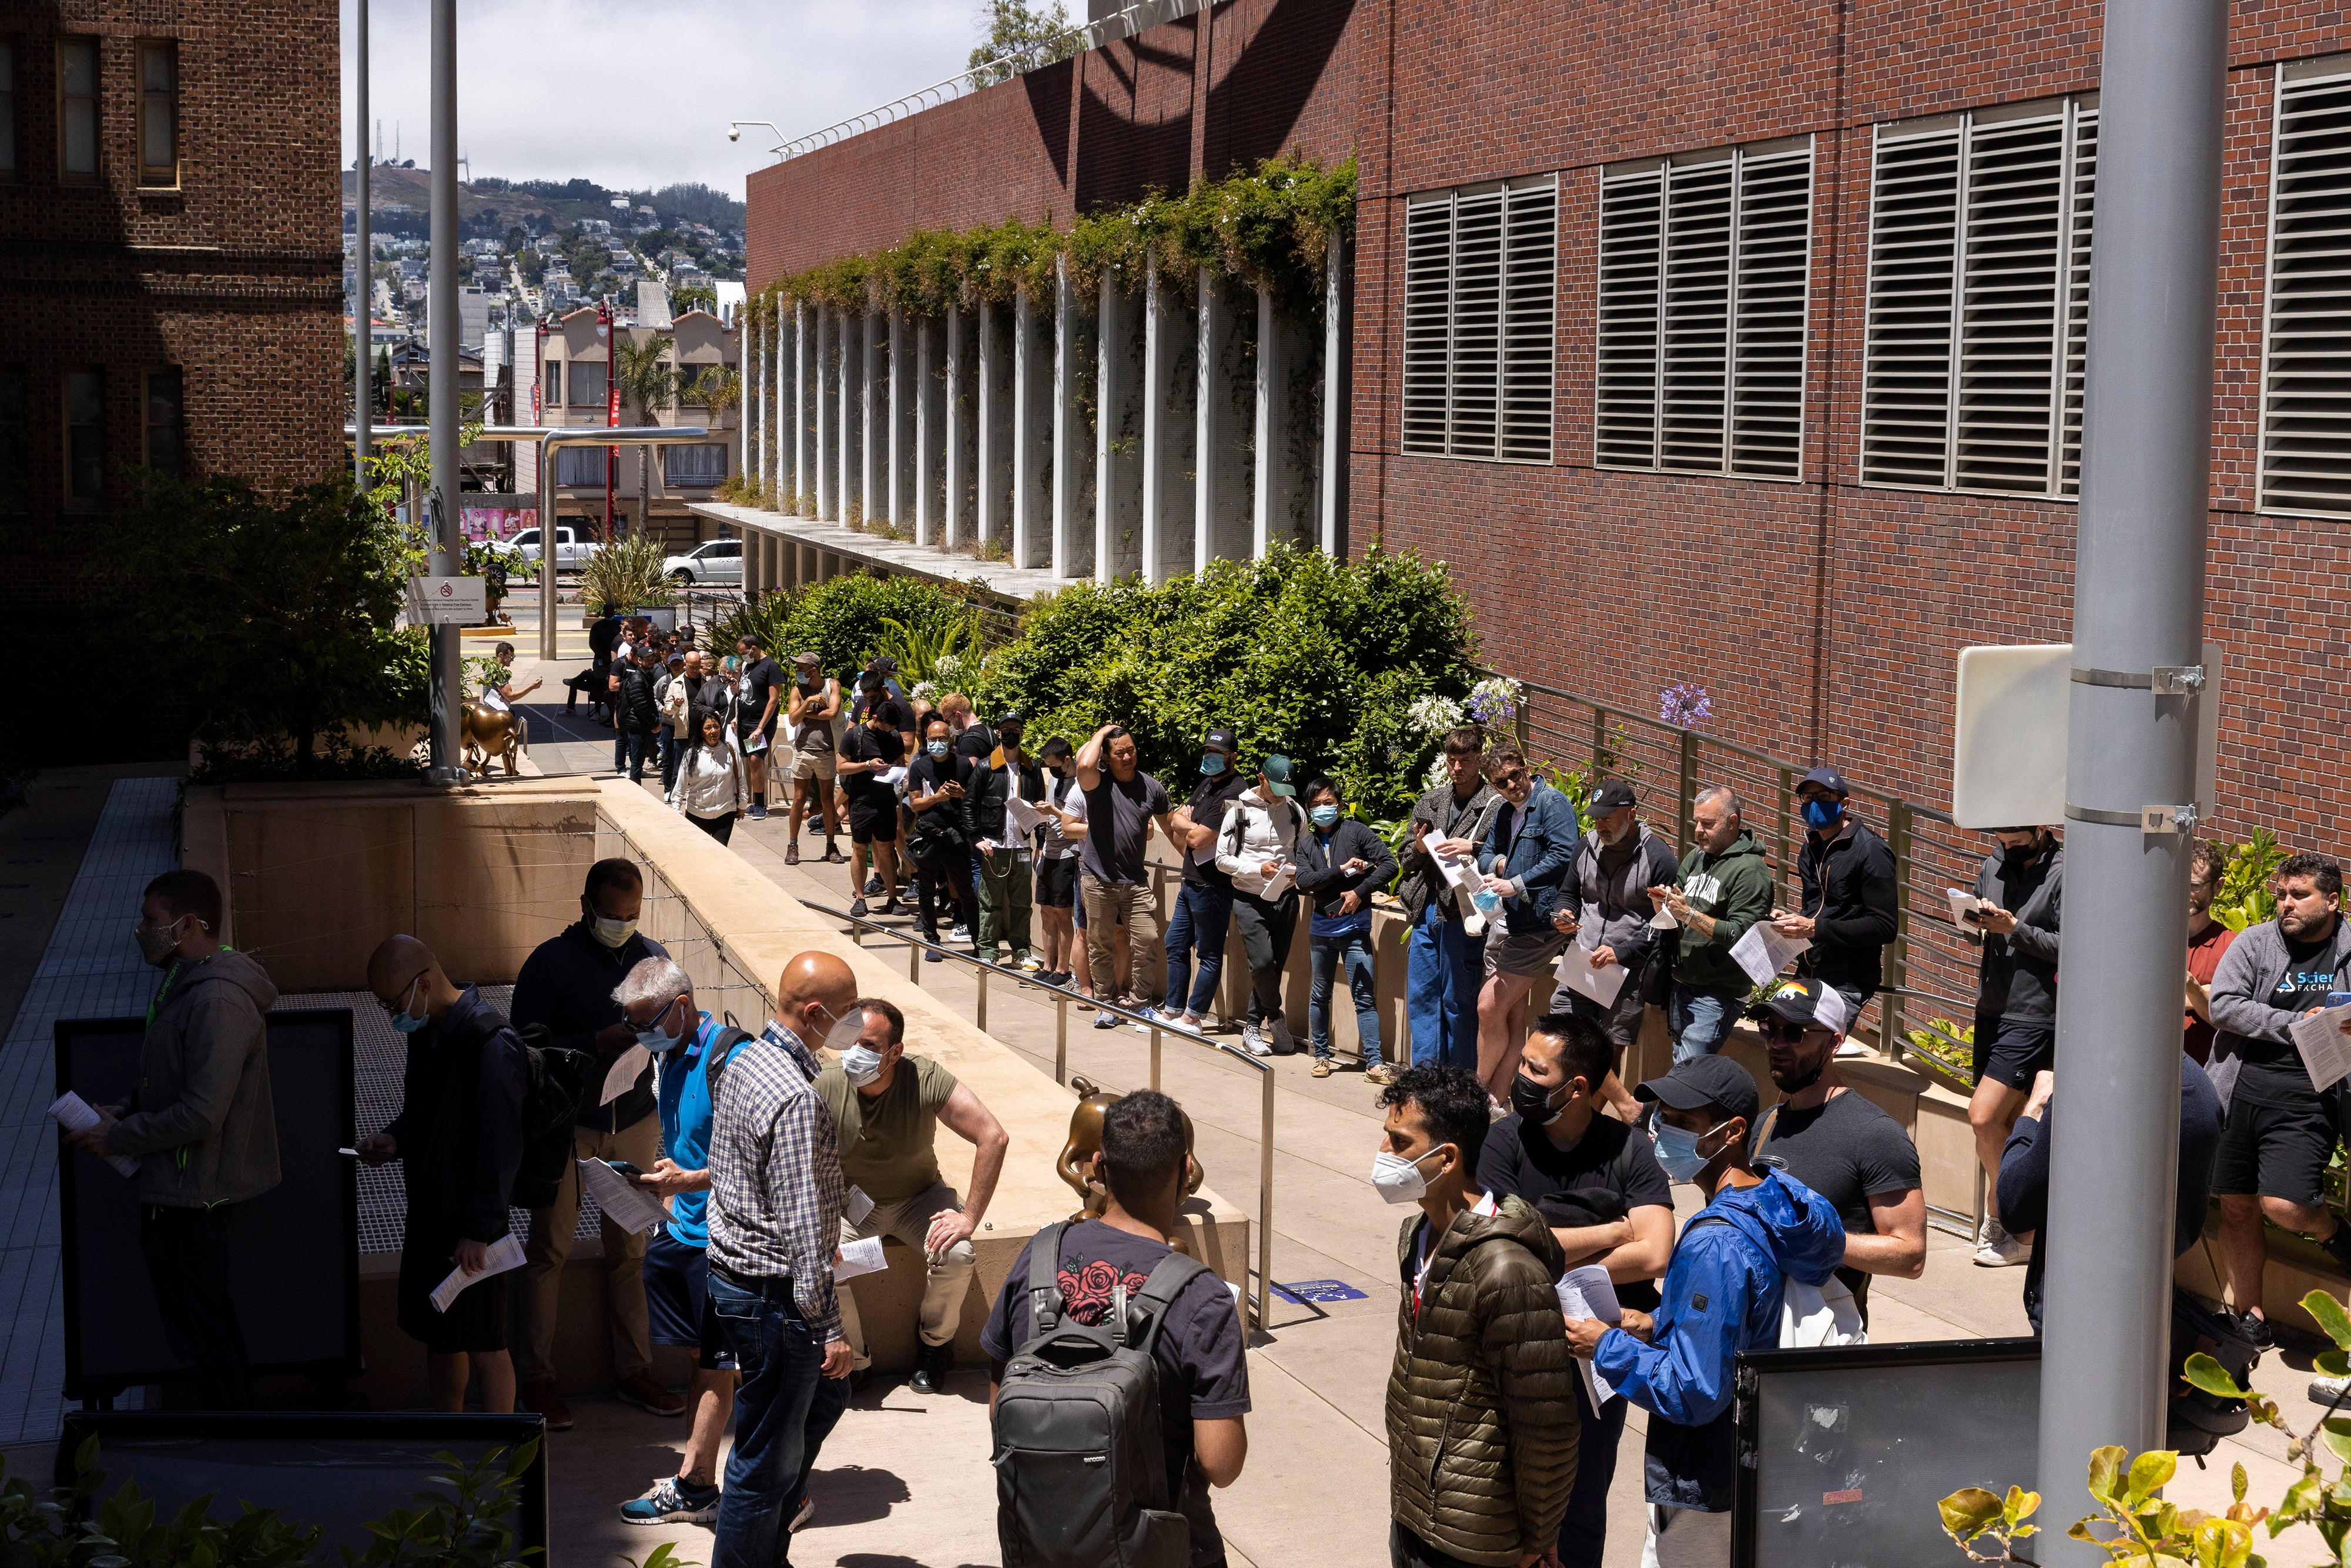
[1168, 1278]
[1045, 1279]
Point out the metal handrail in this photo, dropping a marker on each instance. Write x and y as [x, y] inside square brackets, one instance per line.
[917, 946]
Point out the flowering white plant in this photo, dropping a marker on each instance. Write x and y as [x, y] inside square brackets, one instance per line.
[1435, 715]
[925, 692]
[947, 669]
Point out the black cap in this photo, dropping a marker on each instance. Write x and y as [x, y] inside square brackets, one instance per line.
[1223, 740]
[886, 665]
[1705, 1080]
[1613, 795]
[1815, 1003]
[1828, 779]
[1011, 716]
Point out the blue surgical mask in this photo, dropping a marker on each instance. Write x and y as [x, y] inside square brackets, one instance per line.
[1822, 814]
[937, 747]
[405, 1021]
[1325, 816]
[1211, 764]
[652, 1038]
[1678, 1151]
[861, 1064]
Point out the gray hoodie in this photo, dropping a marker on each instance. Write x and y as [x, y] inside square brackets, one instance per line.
[202, 1120]
[2242, 985]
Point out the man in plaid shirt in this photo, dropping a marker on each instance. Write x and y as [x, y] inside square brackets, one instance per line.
[775, 1225]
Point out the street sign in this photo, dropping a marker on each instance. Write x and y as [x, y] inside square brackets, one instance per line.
[447, 602]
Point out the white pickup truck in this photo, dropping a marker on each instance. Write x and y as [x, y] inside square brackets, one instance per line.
[571, 549]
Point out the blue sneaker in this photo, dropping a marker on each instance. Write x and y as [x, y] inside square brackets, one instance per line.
[671, 1501]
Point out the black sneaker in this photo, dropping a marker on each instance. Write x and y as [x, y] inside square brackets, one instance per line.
[2338, 1245]
[892, 906]
[931, 1364]
[873, 884]
[857, 908]
[2256, 1331]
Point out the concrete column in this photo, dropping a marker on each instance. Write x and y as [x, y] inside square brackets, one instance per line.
[1033, 426]
[1170, 426]
[993, 398]
[776, 410]
[754, 354]
[959, 459]
[904, 366]
[850, 511]
[1287, 440]
[873, 420]
[1074, 351]
[1118, 431]
[1222, 499]
[804, 463]
[821, 384]
[1338, 380]
[930, 433]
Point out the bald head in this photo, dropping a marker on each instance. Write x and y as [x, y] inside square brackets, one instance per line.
[815, 993]
[406, 978]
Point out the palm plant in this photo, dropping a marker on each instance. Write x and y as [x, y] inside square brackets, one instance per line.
[642, 373]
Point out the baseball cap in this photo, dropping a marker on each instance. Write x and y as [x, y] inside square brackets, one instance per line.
[1705, 1080]
[1812, 1002]
[1613, 795]
[1276, 768]
[1828, 779]
[809, 660]
[677, 658]
[1223, 740]
[886, 665]
[1011, 716]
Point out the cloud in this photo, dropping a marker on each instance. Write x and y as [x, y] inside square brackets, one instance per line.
[631, 96]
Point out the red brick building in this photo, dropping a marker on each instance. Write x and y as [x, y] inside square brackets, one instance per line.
[1802, 418]
[171, 288]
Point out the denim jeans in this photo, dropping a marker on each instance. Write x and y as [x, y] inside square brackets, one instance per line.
[781, 1364]
[631, 748]
[1584, 1531]
[1202, 916]
[1352, 950]
[669, 753]
[1441, 979]
[1701, 1020]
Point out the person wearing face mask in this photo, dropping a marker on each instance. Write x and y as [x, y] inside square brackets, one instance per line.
[1257, 848]
[2021, 885]
[1007, 858]
[1058, 841]
[1847, 875]
[1483, 1435]
[202, 1124]
[1340, 863]
[774, 1210]
[873, 746]
[566, 987]
[1722, 1294]
[888, 1107]
[938, 793]
[458, 1139]
[1523, 856]
[1204, 904]
[1597, 1185]
[2207, 939]
[1838, 1143]
[1449, 943]
[1604, 903]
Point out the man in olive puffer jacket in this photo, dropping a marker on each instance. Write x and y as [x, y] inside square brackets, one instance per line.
[1482, 1424]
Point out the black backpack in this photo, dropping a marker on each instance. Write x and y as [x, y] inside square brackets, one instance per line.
[722, 1051]
[1080, 1463]
[553, 1080]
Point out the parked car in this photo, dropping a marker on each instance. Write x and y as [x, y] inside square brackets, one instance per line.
[572, 548]
[719, 560]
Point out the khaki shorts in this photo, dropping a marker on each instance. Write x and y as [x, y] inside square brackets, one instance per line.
[1523, 953]
[813, 764]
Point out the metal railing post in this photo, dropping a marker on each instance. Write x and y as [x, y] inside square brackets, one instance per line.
[1897, 835]
[1154, 1058]
[1599, 741]
[1787, 803]
[1265, 1206]
[1061, 1039]
[980, 1015]
[1684, 827]
[913, 965]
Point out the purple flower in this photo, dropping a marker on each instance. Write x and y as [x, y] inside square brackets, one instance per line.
[1685, 706]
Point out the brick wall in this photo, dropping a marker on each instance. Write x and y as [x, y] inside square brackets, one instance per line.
[1825, 616]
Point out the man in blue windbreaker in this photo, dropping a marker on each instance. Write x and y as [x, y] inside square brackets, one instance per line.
[1721, 1295]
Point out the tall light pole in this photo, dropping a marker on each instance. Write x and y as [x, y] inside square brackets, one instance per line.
[448, 386]
[2138, 624]
[364, 313]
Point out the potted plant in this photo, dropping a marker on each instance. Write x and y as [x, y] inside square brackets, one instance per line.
[627, 577]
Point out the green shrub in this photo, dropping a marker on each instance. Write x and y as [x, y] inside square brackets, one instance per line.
[1316, 658]
[846, 620]
[625, 576]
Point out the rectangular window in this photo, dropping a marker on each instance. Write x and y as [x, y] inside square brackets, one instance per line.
[1979, 299]
[690, 392]
[2306, 462]
[159, 114]
[693, 467]
[587, 383]
[1480, 285]
[554, 383]
[1705, 272]
[164, 444]
[580, 465]
[77, 111]
[8, 109]
[85, 440]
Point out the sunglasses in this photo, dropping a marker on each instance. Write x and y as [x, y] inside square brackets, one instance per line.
[1786, 1033]
[1511, 779]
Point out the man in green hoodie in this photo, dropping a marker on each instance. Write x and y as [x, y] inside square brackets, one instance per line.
[1725, 887]
[201, 1124]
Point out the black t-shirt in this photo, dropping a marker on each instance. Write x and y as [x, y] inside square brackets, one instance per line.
[927, 775]
[977, 742]
[1206, 808]
[864, 743]
[751, 689]
[901, 716]
[2272, 1073]
[1848, 1150]
[1202, 1373]
[1605, 1175]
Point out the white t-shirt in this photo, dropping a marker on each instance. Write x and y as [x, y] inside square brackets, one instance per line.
[1064, 795]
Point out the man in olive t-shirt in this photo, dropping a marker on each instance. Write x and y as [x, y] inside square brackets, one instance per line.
[886, 1110]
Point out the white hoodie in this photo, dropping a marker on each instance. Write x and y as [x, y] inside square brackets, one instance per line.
[710, 781]
[1254, 833]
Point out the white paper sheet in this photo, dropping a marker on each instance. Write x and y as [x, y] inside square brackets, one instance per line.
[855, 1206]
[1962, 905]
[624, 1203]
[1462, 874]
[1577, 973]
[623, 1072]
[859, 1257]
[891, 777]
[2325, 1053]
[506, 1253]
[1763, 952]
[1587, 1292]
[73, 1113]
[1023, 818]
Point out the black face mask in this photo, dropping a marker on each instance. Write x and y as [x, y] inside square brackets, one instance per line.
[1532, 1101]
[2017, 854]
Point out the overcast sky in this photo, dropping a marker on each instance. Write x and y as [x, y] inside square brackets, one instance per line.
[638, 97]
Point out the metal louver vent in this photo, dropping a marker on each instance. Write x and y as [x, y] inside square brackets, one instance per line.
[1480, 278]
[2307, 368]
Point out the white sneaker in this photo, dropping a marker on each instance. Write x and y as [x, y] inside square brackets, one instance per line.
[2330, 1391]
[807, 1511]
[959, 933]
[1185, 1023]
[1105, 1019]
[1253, 1040]
[1031, 963]
[1996, 1249]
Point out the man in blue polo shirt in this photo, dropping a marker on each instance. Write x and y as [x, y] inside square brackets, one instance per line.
[657, 997]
